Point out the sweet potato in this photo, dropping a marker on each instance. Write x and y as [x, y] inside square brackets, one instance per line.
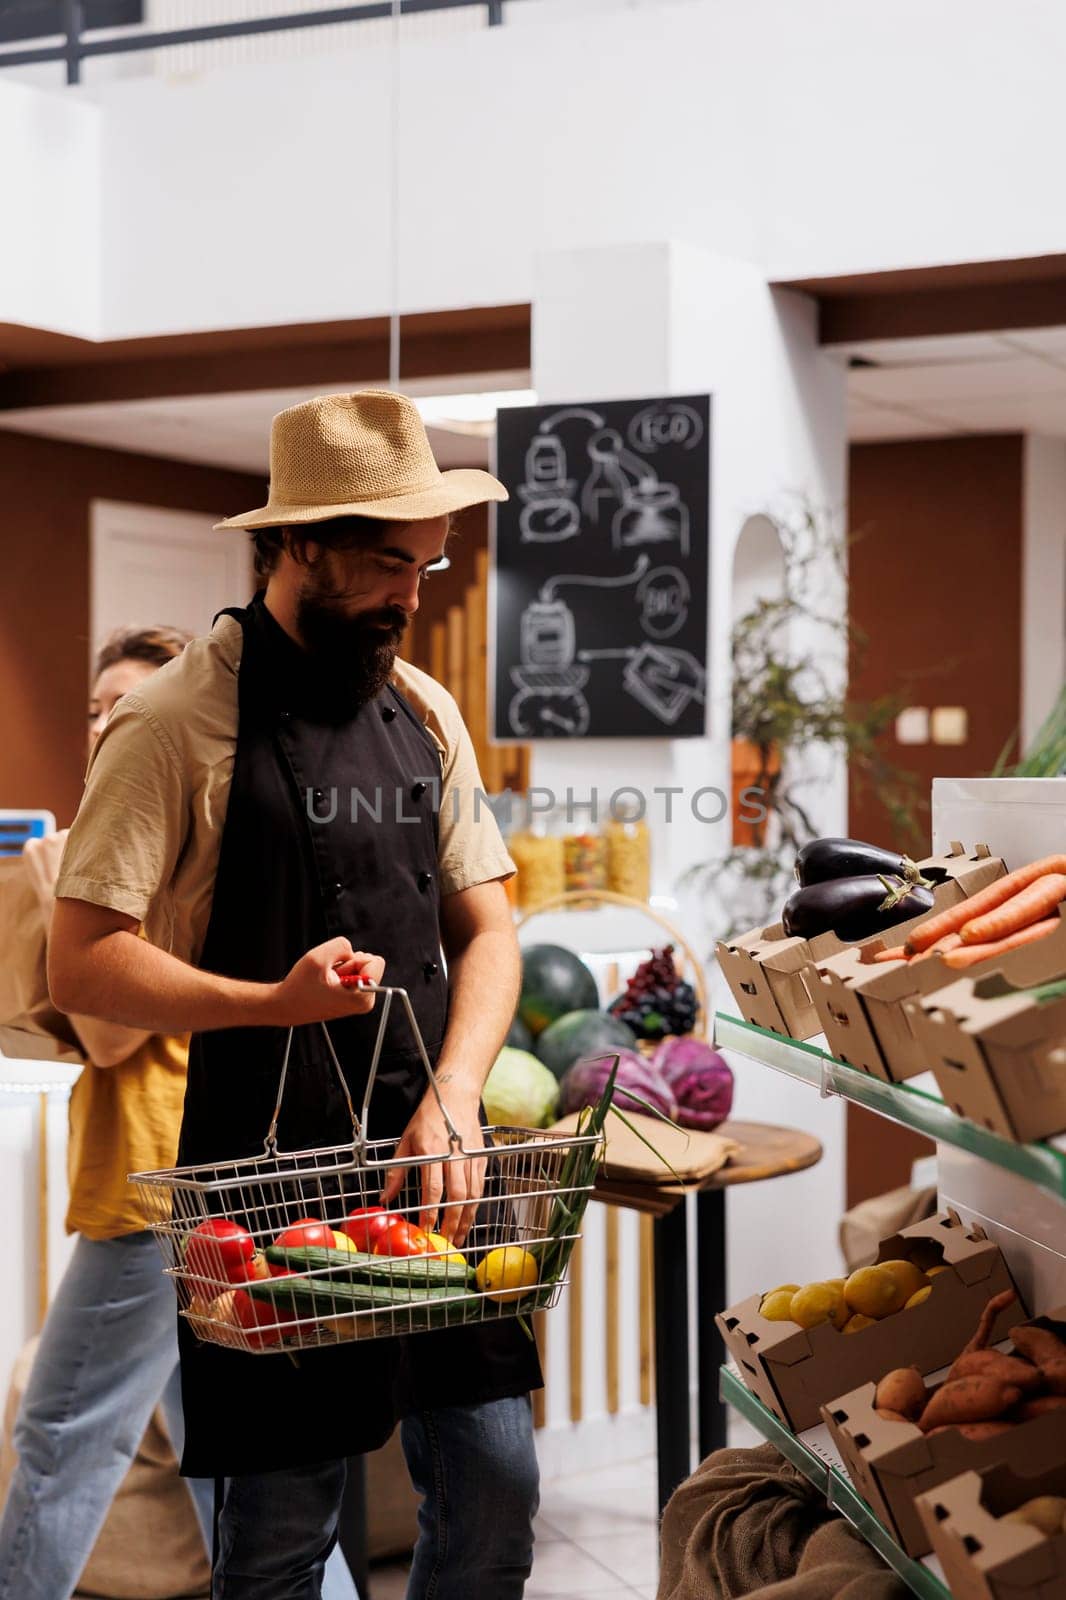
[974, 1431]
[902, 1391]
[999, 1302]
[1054, 1376]
[1046, 1513]
[1040, 1345]
[994, 1364]
[1041, 1406]
[969, 1400]
[891, 1416]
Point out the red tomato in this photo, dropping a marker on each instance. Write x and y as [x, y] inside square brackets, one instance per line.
[259, 1319]
[308, 1233]
[401, 1238]
[220, 1249]
[365, 1225]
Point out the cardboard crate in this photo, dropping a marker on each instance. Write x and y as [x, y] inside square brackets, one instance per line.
[892, 1463]
[768, 975]
[859, 1001]
[985, 1557]
[794, 1371]
[998, 1057]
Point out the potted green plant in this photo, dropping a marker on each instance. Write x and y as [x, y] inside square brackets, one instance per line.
[786, 700]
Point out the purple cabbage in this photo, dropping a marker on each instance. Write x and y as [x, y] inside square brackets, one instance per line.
[699, 1079]
[583, 1084]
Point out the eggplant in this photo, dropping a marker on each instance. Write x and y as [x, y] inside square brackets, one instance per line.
[822, 860]
[853, 908]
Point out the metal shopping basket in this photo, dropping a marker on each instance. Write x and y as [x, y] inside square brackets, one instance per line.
[218, 1228]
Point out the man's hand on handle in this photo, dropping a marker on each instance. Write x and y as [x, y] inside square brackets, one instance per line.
[452, 1188]
[313, 992]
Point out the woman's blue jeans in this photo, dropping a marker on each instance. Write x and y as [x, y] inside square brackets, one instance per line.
[107, 1357]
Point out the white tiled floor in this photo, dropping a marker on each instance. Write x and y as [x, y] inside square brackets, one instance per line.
[597, 1539]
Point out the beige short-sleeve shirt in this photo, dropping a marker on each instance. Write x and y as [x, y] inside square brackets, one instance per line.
[147, 834]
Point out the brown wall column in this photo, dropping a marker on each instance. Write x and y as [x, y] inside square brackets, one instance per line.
[935, 584]
[46, 489]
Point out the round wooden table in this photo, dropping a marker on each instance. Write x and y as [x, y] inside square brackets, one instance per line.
[767, 1152]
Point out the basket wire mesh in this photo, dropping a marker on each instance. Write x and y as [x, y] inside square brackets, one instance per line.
[218, 1227]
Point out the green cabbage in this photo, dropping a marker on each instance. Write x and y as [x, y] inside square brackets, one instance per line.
[520, 1092]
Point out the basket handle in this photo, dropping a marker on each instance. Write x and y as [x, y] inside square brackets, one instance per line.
[360, 1124]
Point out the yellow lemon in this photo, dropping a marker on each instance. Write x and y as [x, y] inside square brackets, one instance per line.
[909, 1277]
[341, 1241]
[874, 1292]
[919, 1297]
[857, 1323]
[781, 1287]
[819, 1302]
[444, 1250]
[932, 1271]
[777, 1305]
[507, 1274]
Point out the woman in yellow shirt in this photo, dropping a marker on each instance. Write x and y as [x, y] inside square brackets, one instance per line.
[108, 1352]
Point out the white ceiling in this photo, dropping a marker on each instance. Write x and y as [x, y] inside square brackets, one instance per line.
[917, 388]
[967, 383]
[232, 430]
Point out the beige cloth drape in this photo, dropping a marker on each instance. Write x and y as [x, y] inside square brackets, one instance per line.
[747, 1522]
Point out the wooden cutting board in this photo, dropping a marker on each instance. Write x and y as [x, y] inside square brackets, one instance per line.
[692, 1154]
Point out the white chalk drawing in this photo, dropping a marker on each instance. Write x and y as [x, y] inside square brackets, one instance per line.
[549, 710]
[616, 473]
[664, 679]
[663, 596]
[652, 513]
[668, 422]
[549, 703]
[549, 512]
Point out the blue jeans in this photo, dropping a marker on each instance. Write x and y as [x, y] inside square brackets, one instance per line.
[107, 1357]
[476, 1470]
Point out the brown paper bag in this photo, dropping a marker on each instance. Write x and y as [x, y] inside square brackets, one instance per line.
[30, 1026]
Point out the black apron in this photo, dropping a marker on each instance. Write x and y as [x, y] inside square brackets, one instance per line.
[285, 884]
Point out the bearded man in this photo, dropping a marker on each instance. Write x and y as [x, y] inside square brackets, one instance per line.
[287, 806]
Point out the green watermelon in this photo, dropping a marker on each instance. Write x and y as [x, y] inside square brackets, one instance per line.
[519, 1036]
[554, 980]
[581, 1033]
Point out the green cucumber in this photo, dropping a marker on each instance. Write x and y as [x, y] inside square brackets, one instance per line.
[322, 1297]
[420, 1271]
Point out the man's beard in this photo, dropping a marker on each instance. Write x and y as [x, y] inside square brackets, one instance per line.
[356, 653]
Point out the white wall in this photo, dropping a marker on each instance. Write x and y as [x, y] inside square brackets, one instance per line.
[696, 322]
[823, 137]
[49, 210]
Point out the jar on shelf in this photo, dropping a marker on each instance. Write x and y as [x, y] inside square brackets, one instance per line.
[537, 850]
[628, 852]
[584, 850]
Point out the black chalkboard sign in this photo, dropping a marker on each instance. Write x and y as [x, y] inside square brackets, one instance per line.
[601, 560]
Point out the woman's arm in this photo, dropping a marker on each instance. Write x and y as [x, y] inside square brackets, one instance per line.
[105, 1044]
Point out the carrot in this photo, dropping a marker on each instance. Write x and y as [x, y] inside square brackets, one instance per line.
[1028, 906]
[969, 954]
[891, 955]
[950, 941]
[951, 920]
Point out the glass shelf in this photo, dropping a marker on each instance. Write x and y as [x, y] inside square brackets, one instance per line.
[832, 1481]
[1043, 1164]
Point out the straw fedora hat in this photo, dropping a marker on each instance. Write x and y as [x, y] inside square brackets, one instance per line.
[364, 455]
